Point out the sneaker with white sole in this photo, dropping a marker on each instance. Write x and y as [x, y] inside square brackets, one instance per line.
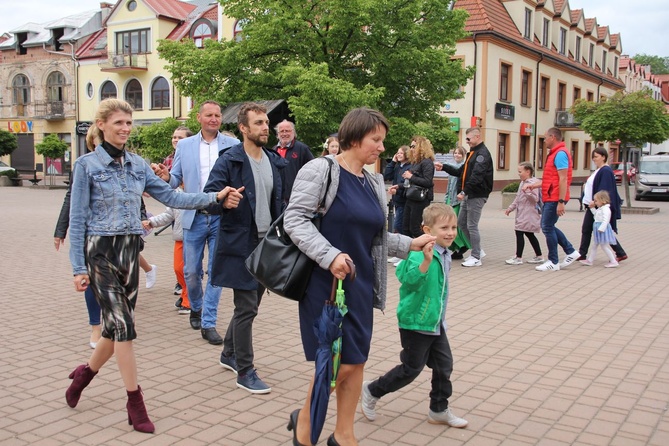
[472, 261]
[571, 258]
[151, 277]
[229, 362]
[183, 310]
[548, 266]
[397, 263]
[393, 260]
[611, 265]
[514, 261]
[536, 259]
[368, 402]
[585, 262]
[482, 253]
[251, 382]
[446, 417]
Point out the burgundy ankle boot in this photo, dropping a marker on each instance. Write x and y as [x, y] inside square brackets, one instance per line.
[137, 416]
[81, 377]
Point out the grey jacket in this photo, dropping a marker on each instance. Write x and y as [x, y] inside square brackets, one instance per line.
[307, 193]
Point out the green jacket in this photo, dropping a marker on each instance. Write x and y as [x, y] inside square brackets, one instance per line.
[423, 297]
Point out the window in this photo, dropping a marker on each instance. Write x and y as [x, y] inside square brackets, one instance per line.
[543, 94]
[577, 52]
[544, 40]
[502, 151]
[526, 88]
[21, 90]
[56, 34]
[201, 33]
[133, 42]
[20, 40]
[524, 152]
[604, 54]
[160, 93]
[586, 155]
[132, 5]
[528, 24]
[563, 41]
[591, 96]
[133, 94]
[615, 67]
[237, 31]
[591, 56]
[562, 96]
[89, 90]
[574, 154]
[55, 87]
[108, 90]
[577, 94]
[540, 153]
[504, 82]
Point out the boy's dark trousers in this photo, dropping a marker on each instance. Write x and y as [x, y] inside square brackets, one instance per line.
[419, 350]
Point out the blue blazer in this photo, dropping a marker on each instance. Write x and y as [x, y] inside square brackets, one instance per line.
[186, 167]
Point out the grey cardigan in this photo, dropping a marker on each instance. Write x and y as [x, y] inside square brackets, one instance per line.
[308, 190]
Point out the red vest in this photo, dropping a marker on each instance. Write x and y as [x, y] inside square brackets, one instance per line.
[550, 186]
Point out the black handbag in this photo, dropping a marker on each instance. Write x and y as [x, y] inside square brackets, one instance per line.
[278, 264]
[416, 193]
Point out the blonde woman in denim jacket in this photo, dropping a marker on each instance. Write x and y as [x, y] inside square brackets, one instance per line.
[105, 231]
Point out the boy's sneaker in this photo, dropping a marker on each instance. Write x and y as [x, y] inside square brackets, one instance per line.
[397, 263]
[446, 417]
[585, 262]
[472, 261]
[548, 266]
[151, 277]
[514, 261]
[229, 362]
[251, 382]
[183, 310]
[536, 259]
[393, 260]
[611, 265]
[177, 303]
[177, 289]
[368, 402]
[571, 258]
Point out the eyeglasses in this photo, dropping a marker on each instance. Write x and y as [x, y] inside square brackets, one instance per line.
[467, 139]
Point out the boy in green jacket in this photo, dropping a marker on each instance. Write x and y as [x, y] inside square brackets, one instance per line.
[421, 315]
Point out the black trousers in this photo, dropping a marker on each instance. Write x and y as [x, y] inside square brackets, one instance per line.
[520, 243]
[238, 338]
[419, 350]
[586, 235]
[413, 217]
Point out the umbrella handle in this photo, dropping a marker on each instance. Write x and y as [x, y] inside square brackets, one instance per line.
[339, 284]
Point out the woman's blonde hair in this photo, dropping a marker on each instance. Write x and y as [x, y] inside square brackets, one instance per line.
[603, 196]
[423, 150]
[107, 107]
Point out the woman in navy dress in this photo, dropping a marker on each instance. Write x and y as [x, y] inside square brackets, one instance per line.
[352, 229]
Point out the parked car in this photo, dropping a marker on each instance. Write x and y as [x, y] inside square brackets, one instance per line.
[652, 180]
[618, 172]
[4, 167]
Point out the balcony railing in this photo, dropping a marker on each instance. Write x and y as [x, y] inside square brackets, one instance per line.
[124, 62]
[51, 110]
[565, 119]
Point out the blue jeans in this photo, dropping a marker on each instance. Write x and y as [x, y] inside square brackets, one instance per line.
[92, 306]
[554, 236]
[202, 232]
[399, 217]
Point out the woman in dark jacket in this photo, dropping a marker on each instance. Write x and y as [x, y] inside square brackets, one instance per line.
[421, 174]
[393, 172]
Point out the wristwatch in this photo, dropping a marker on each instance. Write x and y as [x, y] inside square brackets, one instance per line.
[562, 201]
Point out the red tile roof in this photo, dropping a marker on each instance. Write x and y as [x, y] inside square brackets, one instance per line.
[173, 9]
[590, 25]
[576, 16]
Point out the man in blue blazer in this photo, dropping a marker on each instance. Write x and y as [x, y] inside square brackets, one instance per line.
[194, 158]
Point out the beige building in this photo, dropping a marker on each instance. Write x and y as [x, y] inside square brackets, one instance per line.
[38, 78]
[533, 60]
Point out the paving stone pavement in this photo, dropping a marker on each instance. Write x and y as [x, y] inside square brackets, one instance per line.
[575, 357]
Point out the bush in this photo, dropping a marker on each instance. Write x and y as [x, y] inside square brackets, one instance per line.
[511, 187]
[9, 173]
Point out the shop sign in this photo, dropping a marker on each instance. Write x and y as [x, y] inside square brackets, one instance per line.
[505, 111]
[20, 126]
[526, 129]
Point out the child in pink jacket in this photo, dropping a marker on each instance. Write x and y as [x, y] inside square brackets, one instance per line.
[528, 217]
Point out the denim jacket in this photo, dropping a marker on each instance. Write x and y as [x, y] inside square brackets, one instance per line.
[106, 199]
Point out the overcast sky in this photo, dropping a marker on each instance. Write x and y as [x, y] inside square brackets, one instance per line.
[641, 23]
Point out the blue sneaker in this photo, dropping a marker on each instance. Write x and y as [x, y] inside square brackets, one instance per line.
[252, 383]
[229, 362]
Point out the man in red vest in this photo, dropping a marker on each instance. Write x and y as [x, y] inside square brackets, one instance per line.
[555, 194]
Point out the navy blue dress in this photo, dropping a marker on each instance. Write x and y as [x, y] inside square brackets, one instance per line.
[350, 225]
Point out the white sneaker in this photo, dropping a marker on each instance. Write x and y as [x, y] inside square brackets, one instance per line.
[514, 261]
[397, 263]
[151, 277]
[393, 260]
[482, 253]
[472, 261]
[446, 417]
[368, 402]
[548, 266]
[536, 259]
[571, 258]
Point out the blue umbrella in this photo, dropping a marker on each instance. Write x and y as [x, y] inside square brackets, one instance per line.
[328, 330]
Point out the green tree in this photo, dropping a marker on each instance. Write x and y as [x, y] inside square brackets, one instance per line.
[658, 64]
[8, 143]
[633, 119]
[154, 141]
[327, 57]
[51, 147]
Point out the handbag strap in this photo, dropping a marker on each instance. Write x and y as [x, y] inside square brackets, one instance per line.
[321, 205]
